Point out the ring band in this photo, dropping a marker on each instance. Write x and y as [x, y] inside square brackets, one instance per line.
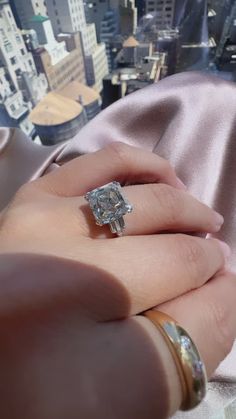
[109, 206]
[187, 359]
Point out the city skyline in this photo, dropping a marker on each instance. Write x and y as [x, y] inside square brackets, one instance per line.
[47, 45]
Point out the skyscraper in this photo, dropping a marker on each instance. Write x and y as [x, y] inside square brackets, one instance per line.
[21, 87]
[69, 17]
[163, 11]
[95, 11]
[26, 9]
[61, 62]
[109, 30]
[128, 17]
[140, 4]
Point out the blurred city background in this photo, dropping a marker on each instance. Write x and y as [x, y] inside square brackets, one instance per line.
[63, 61]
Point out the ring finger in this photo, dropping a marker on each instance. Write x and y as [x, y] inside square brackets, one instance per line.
[159, 207]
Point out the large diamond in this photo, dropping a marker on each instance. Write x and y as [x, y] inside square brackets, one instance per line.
[108, 203]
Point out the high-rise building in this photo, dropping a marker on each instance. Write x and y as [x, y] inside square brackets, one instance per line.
[163, 12]
[128, 17]
[26, 9]
[21, 87]
[68, 16]
[61, 62]
[109, 30]
[94, 12]
[140, 4]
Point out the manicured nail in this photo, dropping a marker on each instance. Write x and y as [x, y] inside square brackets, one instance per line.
[225, 249]
[219, 220]
[180, 184]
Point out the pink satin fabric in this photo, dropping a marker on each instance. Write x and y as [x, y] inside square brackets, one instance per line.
[189, 119]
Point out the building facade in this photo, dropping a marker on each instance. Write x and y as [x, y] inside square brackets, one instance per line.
[60, 60]
[26, 9]
[108, 32]
[163, 12]
[128, 17]
[21, 87]
[69, 17]
[94, 12]
[66, 70]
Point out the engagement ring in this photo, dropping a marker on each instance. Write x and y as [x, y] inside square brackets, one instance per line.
[109, 206]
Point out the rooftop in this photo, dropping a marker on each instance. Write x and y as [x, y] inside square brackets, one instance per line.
[75, 90]
[55, 109]
[130, 42]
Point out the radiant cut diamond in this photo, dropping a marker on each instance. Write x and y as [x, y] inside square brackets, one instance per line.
[109, 205]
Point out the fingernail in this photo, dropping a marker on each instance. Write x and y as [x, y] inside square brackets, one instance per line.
[180, 184]
[225, 249]
[219, 220]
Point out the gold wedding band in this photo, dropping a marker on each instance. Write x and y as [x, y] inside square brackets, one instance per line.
[187, 359]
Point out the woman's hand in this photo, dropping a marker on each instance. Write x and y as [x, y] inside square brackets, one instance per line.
[74, 278]
[51, 217]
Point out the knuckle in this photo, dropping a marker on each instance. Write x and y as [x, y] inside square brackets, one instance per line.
[119, 153]
[169, 201]
[194, 260]
[220, 325]
[166, 168]
[23, 193]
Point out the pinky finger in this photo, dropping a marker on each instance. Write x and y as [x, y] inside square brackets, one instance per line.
[209, 315]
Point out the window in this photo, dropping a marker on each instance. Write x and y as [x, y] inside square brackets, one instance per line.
[58, 21]
[12, 107]
[9, 13]
[2, 33]
[18, 72]
[22, 51]
[8, 46]
[18, 39]
[13, 60]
